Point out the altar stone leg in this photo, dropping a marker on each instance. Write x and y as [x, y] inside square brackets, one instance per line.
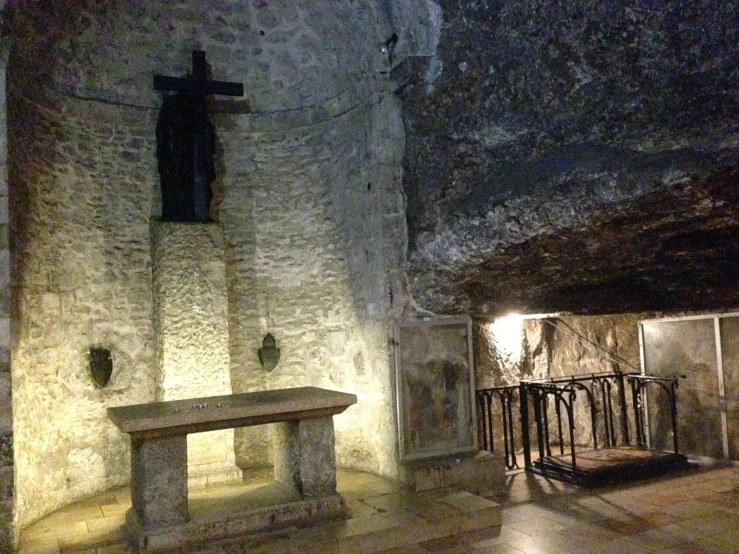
[159, 481]
[305, 456]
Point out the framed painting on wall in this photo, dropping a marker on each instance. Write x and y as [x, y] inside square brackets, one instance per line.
[434, 385]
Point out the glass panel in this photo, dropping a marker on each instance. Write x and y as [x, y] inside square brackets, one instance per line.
[730, 355]
[685, 348]
[435, 390]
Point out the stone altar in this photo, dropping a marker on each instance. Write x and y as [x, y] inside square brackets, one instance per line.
[305, 461]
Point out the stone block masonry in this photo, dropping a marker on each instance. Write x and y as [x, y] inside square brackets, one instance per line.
[306, 457]
[83, 175]
[308, 196]
[314, 228]
[191, 326]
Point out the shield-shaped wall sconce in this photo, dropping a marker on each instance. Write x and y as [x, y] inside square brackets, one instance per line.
[101, 366]
[269, 354]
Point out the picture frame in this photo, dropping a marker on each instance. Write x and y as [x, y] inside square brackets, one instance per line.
[434, 385]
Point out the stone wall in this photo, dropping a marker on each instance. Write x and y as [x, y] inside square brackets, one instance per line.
[556, 133]
[288, 54]
[309, 197]
[594, 344]
[511, 349]
[314, 223]
[192, 337]
[81, 180]
[6, 421]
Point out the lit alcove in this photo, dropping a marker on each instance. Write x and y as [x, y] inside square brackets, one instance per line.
[292, 249]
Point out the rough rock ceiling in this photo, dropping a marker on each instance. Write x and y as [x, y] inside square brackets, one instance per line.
[576, 157]
[676, 249]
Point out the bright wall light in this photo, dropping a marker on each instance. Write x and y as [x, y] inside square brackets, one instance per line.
[507, 332]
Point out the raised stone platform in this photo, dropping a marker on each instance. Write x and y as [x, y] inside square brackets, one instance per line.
[305, 464]
[383, 515]
[284, 509]
[479, 472]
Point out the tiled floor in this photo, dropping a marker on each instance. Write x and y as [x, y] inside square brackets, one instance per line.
[694, 512]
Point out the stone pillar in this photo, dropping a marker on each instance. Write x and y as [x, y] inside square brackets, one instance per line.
[305, 456]
[159, 482]
[191, 326]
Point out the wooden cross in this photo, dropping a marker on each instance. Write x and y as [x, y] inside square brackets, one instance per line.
[198, 84]
[197, 87]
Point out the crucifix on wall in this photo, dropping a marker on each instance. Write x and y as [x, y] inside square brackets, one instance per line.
[186, 142]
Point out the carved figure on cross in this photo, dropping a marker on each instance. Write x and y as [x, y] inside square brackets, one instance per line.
[186, 142]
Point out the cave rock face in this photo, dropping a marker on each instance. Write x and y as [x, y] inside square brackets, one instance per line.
[576, 155]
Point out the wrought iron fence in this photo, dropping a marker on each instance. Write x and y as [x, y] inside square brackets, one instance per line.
[639, 385]
[507, 398]
[554, 403]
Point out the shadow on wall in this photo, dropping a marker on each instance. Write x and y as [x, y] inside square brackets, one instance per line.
[312, 211]
[316, 262]
[80, 179]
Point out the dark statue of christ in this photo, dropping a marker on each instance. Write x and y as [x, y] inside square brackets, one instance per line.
[186, 142]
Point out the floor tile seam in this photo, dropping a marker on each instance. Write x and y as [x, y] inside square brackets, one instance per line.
[549, 519]
[734, 510]
[333, 527]
[526, 528]
[711, 517]
[663, 539]
[537, 536]
[55, 521]
[357, 540]
[698, 534]
[568, 533]
[412, 508]
[586, 516]
[683, 514]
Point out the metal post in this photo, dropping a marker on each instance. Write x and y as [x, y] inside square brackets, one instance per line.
[545, 419]
[624, 415]
[524, 408]
[512, 438]
[673, 406]
[571, 420]
[593, 417]
[637, 413]
[537, 416]
[558, 411]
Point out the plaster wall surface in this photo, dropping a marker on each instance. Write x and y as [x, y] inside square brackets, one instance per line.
[191, 327]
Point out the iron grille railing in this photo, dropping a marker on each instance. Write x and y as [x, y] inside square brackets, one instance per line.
[507, 398]
[553, 402]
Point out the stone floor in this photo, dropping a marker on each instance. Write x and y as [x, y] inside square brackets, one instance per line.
[693, 512]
